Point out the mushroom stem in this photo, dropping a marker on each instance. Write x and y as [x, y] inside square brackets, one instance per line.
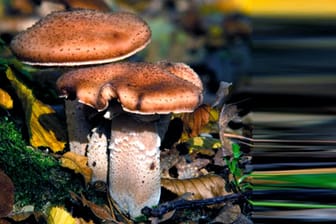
[97, 153]
[78, 127]
[86, 140]
[134, 177]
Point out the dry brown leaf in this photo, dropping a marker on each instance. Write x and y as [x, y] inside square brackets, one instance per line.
[191, 170]
[204, 187]
[221, 93]
[195, 121]
[24, 214]
[227, 114]
[165, 217]
[43, 126]
[203, 120]
[228, 214]
[6, 195]
[168, 159]
[82, 221]
[102, 212]
[4, 221]
[77, 163]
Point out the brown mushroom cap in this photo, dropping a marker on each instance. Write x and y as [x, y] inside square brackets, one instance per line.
[79, 37]
[183, 71]
[143, 88]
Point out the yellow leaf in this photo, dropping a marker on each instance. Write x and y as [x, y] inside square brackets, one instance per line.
[203, 145]
[77, 163]
[198, 141]
[203, 187]
[43, 126]
[58, 215]
[6, 101]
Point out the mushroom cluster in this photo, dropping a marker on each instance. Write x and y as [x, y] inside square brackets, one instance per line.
[137, 96]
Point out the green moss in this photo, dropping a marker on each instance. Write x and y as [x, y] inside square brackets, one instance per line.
[37, 176]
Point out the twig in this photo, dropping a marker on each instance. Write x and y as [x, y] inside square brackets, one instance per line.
[183, 203]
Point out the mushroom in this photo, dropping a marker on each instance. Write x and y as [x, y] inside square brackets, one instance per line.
[145, 92]
[81, 37]
[76, 38]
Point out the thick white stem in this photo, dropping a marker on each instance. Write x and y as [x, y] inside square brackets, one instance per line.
[87, 141]
[134, 175]
[97, 154]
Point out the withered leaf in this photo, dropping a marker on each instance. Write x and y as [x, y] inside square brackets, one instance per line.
[168, 159]
[25, 213]
[4, 221]
[6, 194]
[77, 163]
[21, 216]
[228, 113]
[43, 126]
[228, 214]
[199, 121]
[103, 212]
[203, 187]
[222, 92]
[192, 169]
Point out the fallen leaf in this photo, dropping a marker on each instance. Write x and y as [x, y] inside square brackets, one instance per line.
[77, 163]
[203, 187]
[168, 159]
[43, 126]
[227, 114]
[4, 221]
[103, 212]
[6, 100]
[59, 215]
[221, 93]
[202, 120]
[203, 145]
[188, 170]
[24, 213]
[6, 195]
[228, 214]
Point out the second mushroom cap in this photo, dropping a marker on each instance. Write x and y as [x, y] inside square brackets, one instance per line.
[143, 88]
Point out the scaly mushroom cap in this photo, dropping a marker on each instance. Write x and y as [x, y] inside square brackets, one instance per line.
[143, 88]
[80, 37]
[183, 71]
